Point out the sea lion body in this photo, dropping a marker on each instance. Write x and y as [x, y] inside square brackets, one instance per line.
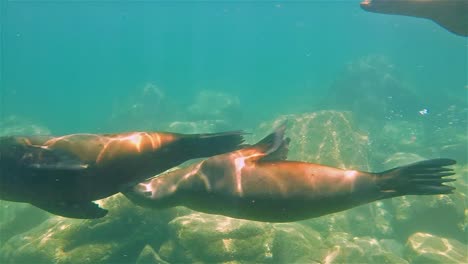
[450, 14]
[242, 184]
[59, 173]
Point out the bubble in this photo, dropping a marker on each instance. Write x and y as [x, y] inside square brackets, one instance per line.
[424, 111]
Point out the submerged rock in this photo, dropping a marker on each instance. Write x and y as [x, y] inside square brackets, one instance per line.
[210, 238]
[325, 137]
[400, 159]
[210, 104]
[448, 131]
[447, 212]
[347, 249]
[118, 237]
[368, 220]
[17, 218]
[427, 248]
[295, 243]
[14, 125]
[202, 126]
[149, 256]
[397, 136]
[146, 109]
[381, 93]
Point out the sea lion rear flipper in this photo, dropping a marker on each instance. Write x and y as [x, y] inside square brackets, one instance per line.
[84, 210]
[425, 177]
[43, 158]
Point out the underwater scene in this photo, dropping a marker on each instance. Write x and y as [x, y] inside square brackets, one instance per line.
[315, 131]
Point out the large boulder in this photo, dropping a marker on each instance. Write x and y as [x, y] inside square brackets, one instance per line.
[372, 89]
[17, 218]
[447, 131]
[146, 109]
[426, 248]
[15, 125]
[118, 237]
[448, 213]
[325, 137]
[215, 105]
[208, 238]
[149, 256]
[200, 126]
[296, 243]
[344, 248]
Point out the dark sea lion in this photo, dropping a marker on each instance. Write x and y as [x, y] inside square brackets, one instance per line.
[254, 183]
[63, 175]
[450, 14]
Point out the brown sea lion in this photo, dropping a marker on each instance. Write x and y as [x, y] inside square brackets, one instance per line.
[63, 175]
[254, 183]
[450, 14]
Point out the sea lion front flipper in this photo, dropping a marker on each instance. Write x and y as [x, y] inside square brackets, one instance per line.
[84, 210]
[280, 153]
[44, 158]
[274, 146]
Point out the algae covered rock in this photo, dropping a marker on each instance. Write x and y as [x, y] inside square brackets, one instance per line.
[118, 237]
[367, 220]
[325, 137]
[427, 248]
[344, 248]
[435, 214]
[356, 90]
[296, 243]
[397, 136]
[15, 125]
[17, 218]
[447, 129]
[210, 238]
[201, 126]
[145, 109]
[211, 104]
[149, 256]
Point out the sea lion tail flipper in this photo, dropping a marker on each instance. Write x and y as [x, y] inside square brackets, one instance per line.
[84, 210]
[420, 178]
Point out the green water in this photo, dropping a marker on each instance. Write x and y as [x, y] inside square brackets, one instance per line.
[107, 66]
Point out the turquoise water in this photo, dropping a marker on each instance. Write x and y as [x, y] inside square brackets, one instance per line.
[110, 66]
[66, 63]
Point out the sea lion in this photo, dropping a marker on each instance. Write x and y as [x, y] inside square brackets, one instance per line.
[450, 14]
[254, 183]
[63, 175]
